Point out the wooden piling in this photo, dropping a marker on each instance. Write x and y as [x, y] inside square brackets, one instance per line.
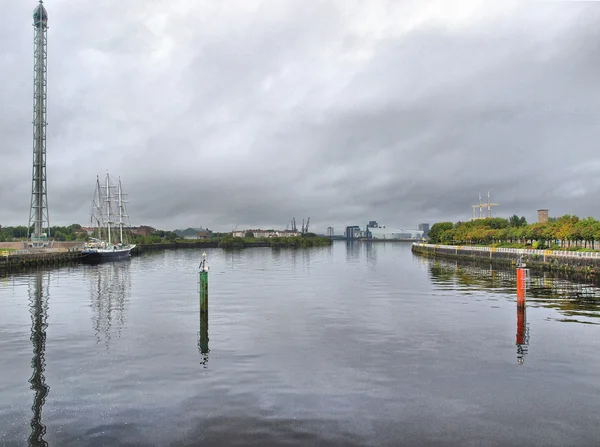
[203, 292]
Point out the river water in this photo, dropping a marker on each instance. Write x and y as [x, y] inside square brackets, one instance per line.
[359, 344]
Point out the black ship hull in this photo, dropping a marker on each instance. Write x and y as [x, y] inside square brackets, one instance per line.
[95, 257]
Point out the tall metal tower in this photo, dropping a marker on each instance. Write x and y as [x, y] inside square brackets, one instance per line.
[38, 215]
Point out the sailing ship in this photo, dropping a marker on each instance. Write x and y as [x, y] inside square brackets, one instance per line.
[109, 218]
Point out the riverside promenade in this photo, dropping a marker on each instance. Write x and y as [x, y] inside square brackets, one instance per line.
[554, 260]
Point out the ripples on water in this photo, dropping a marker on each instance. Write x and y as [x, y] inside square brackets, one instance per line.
[575, 301]
[355, 344]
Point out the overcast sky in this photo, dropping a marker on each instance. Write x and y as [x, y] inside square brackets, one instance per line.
[249, 113]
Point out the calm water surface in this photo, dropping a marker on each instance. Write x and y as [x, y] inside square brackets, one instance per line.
[346, 345]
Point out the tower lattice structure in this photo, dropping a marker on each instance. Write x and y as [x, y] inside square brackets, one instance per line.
[38, 215]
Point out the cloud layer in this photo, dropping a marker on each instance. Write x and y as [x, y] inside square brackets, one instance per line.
[250, 112]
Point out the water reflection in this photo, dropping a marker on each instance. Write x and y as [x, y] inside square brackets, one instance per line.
[110, 294]
[38, 300]
[576, 301]
[352, 251]
[371, 253]
[522, 341]
[203, 338]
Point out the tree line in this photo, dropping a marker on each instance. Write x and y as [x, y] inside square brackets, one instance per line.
[75, 232]
[566, 232]
[304, 241]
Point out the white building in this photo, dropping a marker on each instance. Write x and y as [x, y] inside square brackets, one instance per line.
[393, 233]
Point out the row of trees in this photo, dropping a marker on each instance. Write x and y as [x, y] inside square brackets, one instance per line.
[157, 237]
[75, 232]
[565, 232]
[71, 233]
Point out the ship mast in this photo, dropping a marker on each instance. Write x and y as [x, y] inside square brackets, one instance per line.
[108, 222]
[98, 208]
[120, 210]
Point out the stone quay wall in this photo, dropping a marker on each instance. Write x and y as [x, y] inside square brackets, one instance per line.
[552, 260]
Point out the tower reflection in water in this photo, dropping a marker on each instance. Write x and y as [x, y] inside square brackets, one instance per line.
[110, 285]
[38, 300]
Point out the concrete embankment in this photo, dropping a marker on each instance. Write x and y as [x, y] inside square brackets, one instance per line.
[552, 260]
[21, 259]
[13, 257]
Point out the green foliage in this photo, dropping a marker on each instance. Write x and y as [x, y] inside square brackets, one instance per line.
[8, 234]
[229, 241]
[565, 232]
[304, 241]
[436, 232]
[249, 234]
[516, 221]
[274, 242]
[157, 237]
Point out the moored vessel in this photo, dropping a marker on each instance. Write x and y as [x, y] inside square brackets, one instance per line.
[110, 221]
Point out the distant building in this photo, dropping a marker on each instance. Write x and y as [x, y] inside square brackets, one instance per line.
[371, 224]
[142, 230]
[542, 216]
[394, 233]
[203, 233]
[267, 233]
[353, 232]
[424, 227]
[88, 230]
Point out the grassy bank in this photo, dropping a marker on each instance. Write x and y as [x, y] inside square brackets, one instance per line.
[274, 242]
[238, 242]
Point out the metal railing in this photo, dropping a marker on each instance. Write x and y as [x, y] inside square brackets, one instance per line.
[517, 251]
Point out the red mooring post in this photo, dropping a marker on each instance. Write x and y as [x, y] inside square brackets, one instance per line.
[521, 285]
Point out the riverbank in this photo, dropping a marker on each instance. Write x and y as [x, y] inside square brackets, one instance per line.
[587, 263]
[238, 242]
[14, 258]
[19, 260]
[140, 248]
[276, 242]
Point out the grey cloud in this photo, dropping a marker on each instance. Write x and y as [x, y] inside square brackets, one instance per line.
[250, 114]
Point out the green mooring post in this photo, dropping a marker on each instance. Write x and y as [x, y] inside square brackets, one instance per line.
[203, 285]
